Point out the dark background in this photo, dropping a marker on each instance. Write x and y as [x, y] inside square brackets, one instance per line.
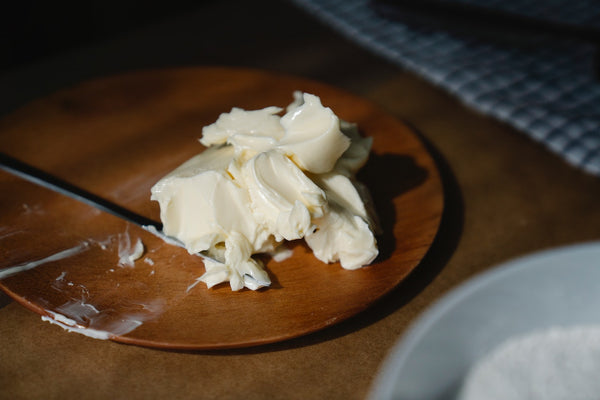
[49, 46]
[33, 30]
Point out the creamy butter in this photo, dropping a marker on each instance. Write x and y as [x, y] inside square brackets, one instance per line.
[129, 253]
[265, 179]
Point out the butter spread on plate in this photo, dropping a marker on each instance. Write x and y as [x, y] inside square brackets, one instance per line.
[265, 179]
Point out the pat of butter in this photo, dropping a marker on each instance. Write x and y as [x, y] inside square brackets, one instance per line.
[265, 179]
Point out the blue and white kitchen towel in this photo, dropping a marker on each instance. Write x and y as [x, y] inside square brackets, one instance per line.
[548, 91]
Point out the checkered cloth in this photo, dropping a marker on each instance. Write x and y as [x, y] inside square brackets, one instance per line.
[548, 91]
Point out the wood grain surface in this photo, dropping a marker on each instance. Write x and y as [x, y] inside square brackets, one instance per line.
[116, 137]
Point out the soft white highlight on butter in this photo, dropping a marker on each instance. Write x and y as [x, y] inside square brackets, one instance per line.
[137, 251]
[190, 287]
[343, 236]
[281, 253]
[129, 253]
[282, 196]
[246, 129]
[313, 138]
[79, 309]
[81, 317]
[69, 325]
[558, 363]
[265, 179]
[10, 271]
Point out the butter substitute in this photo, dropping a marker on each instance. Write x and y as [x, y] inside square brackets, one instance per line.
[265, 179]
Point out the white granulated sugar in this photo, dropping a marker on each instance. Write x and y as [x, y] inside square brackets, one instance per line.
[559, 363]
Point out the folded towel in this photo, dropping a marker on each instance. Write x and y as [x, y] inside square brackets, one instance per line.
[547, 89]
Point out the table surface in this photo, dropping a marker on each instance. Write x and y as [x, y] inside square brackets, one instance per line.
[505, 196]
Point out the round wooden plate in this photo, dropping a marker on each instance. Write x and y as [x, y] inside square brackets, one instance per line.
[116, 137]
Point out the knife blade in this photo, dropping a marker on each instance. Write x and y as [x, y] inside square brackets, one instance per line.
[48, 181]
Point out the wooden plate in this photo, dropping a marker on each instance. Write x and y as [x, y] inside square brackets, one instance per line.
[116, 137]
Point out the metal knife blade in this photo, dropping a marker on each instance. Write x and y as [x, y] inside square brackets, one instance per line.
[46, 180]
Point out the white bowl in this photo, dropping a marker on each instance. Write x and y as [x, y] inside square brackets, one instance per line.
[550, 289]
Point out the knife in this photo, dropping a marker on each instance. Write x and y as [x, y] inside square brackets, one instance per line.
[46, 180]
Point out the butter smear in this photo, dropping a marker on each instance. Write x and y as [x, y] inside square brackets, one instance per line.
[265, 179]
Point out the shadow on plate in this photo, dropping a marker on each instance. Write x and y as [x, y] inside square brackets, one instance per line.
[406, 176]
